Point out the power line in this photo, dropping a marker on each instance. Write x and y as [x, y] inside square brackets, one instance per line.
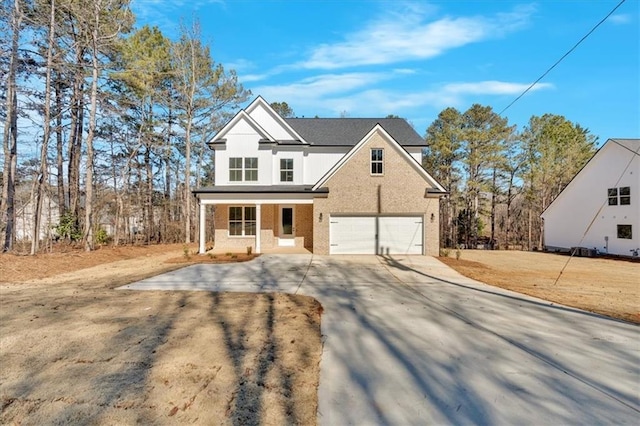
[563, 56]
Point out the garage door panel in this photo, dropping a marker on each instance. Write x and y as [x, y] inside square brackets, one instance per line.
[401, 235]
[357, 235]
[353, 235]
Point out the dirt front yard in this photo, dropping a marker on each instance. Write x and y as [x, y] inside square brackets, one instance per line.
[73, 350]
[606, 286]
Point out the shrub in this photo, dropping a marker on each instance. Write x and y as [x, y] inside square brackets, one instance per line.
[102, 237]
[185, 252]
[444, 252]
[67, 227]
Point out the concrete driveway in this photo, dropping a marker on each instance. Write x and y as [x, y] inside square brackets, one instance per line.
[409, 341]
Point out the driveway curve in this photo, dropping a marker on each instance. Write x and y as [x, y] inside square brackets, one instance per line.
[409, 341]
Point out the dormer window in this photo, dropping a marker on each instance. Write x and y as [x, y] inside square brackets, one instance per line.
[377, 161]
[286, 170]
[243, 167]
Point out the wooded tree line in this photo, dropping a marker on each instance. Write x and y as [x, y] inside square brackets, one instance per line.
[108, 121]
[499, 179]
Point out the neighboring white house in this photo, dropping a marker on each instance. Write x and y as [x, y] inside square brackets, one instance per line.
[49, 218]
[330, 185]
[600, 208]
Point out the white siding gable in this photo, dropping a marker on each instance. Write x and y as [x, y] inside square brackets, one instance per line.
[271, 124]
[581, 217]
[242, 141]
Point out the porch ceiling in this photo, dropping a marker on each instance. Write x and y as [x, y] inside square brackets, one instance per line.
[254, 194]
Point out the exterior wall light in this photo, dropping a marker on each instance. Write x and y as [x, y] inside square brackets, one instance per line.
[320, 217]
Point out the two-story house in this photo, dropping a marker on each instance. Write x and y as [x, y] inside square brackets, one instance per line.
[332, 186]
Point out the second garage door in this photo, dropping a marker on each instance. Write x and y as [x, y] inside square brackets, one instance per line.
[357, 235]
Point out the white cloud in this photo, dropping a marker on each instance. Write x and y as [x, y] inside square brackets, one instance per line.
[317, 87]
[331, 94]
[407, 36]
[620, 19]
[491, 88]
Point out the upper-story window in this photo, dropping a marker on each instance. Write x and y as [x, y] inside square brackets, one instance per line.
[377, 161]
[286, 170]
[237, 171]
[620, 196]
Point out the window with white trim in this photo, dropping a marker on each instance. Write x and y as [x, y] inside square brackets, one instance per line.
[286, 170]
[235, 169]
[237, 172]
[242, 221]
[251, 169]
[377, 161]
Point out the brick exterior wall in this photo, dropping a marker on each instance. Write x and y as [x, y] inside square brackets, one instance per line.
[353, 190]
[270, 228]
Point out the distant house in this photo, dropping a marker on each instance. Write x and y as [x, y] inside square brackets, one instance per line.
[330, 185]
[600, 208]
[49, 218]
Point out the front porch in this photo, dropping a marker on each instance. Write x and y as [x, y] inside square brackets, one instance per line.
[267, 219]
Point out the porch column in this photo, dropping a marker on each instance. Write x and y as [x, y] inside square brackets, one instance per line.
[203, 221]
[258, 211]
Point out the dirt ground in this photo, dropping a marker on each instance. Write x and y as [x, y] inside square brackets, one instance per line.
[609, 287]
[73, 350]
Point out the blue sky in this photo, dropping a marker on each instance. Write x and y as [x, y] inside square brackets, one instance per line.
[413, 59]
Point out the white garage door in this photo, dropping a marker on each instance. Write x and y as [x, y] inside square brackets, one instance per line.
[357, 235]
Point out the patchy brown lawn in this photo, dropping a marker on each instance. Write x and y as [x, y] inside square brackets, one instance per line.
[606, 286]
[74, 350]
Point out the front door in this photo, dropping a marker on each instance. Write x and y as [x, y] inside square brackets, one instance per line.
[287, 231]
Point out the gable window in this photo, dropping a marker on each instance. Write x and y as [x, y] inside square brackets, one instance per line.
[242, 221]
[237, 171]
[624, 232]
[286, 170]
[377, 161]
[620, 196]
[251, 169]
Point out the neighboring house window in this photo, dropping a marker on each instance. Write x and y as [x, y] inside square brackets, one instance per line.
[624, 232]
[286, 170]
[620, 196]
[236, 170]
[377, 161]
[251, 169]
[242, 221]
[625, 195]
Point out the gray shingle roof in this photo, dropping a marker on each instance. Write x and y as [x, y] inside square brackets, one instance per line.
[349, 131]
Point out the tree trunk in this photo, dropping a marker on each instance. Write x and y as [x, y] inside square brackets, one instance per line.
[75, 138]
[10, 141]
[88, 216]
[43, 176]
[62, 203]
[493, 209]
[149, 225]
